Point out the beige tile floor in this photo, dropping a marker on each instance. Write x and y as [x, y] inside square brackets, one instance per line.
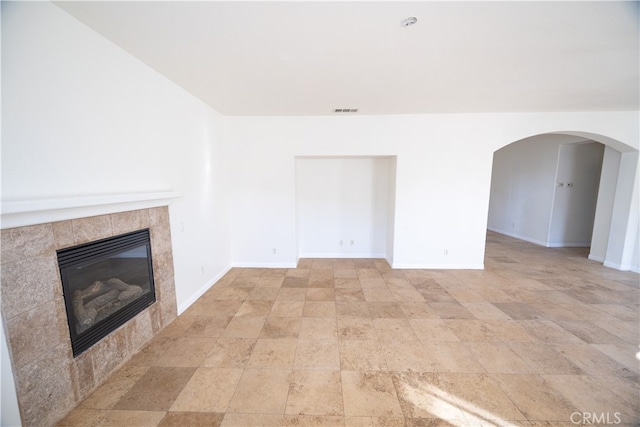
[540, 337]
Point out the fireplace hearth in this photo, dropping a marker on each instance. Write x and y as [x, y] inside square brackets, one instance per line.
[105, 283]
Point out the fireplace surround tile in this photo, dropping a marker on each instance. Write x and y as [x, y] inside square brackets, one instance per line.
[28, 283]
[92, 228]
[26, 242]
[125, 222]
[63, 234]
[49, 381]
[33, 333]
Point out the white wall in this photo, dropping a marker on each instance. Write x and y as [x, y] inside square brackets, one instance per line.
[522, 187]
[443, 172]
[623, 235]
[391, 210]
[604, 207]
[81, 117]
[576, 194]
[342, 207]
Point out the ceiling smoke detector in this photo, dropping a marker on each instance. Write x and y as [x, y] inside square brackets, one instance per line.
[409, 21]
[345, 110]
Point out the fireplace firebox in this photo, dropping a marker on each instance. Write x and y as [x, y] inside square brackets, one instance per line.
[105, 283]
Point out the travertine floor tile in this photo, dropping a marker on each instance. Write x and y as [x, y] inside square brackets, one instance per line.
[82, 417]
[207, 326]
[255, 308]
[549, 331]
[451, 357]
[497, 357]
[589, 396]
[283, 308]
[318, 328]
[254, 420]
[625, 354]
[410, 356]
[319, 309]
[535, 397]
[261, 391]
[229, 353]
[377, 422]
[244, 327]
[281, 327]
[420, 397]
[385, 309]
[362, 355]
[191, 419]
[273, 354]
[472, 330]
[156, 390]
[106, 396]
[317, 354]
[208, 390]
[116, 418]
[369, 394]
[429, 330]
[315, 393]
[355, 328]
[591, 360]
[352, 309]
[543, 358]
[394, 331]
[539, 334]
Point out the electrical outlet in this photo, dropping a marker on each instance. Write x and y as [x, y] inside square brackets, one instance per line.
[341, 242]
[446, 251]
[352, 242]
[274, 251]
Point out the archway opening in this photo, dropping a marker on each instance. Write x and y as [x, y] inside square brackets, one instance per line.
[568, 189]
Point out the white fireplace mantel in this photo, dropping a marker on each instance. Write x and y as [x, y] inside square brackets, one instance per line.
[19, 213]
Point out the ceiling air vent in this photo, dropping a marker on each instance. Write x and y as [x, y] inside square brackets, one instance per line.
[345, 110]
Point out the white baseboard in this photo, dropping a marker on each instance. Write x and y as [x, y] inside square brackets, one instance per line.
[596, 258]
[204, 288]
[540, 242]
[341, 255]
[265, 265]
[426, 266]
[517, 236]
[569, 245]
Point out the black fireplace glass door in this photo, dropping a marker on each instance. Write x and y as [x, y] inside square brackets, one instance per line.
[105, 283]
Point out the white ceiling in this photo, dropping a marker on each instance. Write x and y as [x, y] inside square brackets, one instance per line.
[307, 58]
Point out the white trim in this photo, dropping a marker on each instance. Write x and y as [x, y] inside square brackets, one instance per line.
[617, 266]
[342, 255]
[438, 266]
[596, 258]
[19, 213]
[569, 245]
[204, 288]
[264, 265]
[517, 236]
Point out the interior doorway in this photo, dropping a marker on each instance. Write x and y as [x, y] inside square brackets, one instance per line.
[554, 190]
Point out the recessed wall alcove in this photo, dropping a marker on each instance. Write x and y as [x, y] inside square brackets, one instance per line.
[345, 206]
[49, 381]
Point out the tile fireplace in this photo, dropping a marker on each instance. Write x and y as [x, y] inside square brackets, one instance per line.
[49, 380]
